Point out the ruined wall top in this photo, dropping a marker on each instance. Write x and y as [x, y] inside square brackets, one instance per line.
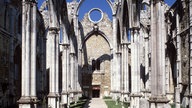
[104, 25]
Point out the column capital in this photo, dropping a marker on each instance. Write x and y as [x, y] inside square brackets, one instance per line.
[126, 43]
[52, 95]
[135, 95]
[28, 100]
[115, 91]
[125, 92]
[65, 93]
[190, 95]
[30, 2]
[158, 99]
[54, 30]
[65, 45]
[72, 53]
[118, 53]
[135, 28]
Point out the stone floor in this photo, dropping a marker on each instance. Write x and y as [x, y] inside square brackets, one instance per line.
[95, 103]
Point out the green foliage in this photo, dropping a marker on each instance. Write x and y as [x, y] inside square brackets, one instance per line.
[107, 97]
[79, 104]
[172, 105]
[112, 104]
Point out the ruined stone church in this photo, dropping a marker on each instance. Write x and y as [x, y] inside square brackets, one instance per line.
[142, 55]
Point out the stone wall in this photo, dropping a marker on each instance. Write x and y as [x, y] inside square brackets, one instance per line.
[97, 47]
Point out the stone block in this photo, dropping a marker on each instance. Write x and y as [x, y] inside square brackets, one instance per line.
[144, 103]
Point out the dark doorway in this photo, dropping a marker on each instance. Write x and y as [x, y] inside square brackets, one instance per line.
[96, 92]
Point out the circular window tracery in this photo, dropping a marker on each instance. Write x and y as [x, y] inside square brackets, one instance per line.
[95, 15]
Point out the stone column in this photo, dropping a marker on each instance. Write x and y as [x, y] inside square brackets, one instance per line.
[33, 52]
[147, 86]
[77, 72]
[126, 71]
[117, 74]
[72, 71]
[54, 52]
[122, 71]
[149, 56]
[57, 69]
[190, 23]
[65, 67]
[53, 75]
[76, 83]
[135, 70]
[158, 98]
[28, 96]
[25, 99]
[114, 60]
[178, 88]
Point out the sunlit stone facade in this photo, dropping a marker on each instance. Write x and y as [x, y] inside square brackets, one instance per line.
[49, 58]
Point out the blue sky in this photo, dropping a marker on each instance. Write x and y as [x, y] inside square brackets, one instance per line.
[87, 5]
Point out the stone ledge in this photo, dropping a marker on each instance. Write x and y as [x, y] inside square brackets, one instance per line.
[125, 92]
[146, 91]
[52, 95]
[74, 92]
[64, 93]
[158, 99]
[28, 100]
[136, 95]
[115, 91]
[190, 95]
[67, 93]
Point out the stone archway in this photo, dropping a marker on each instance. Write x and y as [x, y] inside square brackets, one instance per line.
[96, 69]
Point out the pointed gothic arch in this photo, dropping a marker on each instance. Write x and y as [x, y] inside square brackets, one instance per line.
[118, 35]
[98, 33]
[124, 21]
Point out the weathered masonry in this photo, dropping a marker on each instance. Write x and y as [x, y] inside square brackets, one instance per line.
[141, 54]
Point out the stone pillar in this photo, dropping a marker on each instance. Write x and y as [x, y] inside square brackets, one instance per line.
[57, 69]
[126, 77]
[33, 52]
[117, 74]
[177, 97]
[158, 98]
[125, 73]
[77, 72]
[122, 72]
[114, 60]
[53, 74]
[76, 79]
[28, 96]
[72, 71]
[53, 38]
[147, 85]
[190, 24]
[178, 88]
[135, 70]
[65, 67]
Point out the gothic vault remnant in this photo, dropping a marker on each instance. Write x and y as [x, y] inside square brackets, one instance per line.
[141, 54]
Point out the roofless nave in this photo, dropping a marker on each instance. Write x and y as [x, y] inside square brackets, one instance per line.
[49, 57]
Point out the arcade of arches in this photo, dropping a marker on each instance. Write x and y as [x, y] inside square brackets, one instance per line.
[141, 54]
